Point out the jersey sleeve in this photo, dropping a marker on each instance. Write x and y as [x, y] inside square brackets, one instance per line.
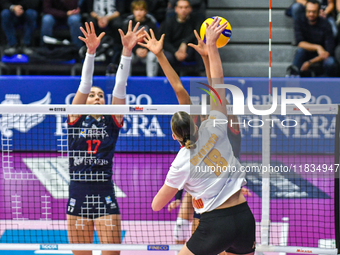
[75, 122]
[217, 115]
[216, 120]
[115, 121]
[177, 177]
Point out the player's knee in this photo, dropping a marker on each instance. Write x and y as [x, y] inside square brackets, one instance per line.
[182, 229]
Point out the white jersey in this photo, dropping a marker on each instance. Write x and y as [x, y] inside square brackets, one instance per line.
[210, 172]
[104, 7]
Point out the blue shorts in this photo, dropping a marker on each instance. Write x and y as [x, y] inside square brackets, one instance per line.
[92, 199]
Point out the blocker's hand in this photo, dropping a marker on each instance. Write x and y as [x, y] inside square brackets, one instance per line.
[90, 38]
[151, 42]
[130, 39]
[201, 48]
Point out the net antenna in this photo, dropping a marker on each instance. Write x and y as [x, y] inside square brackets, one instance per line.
[266, 130]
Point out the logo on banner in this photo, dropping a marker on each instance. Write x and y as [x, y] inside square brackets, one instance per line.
[136, 109]
[49, 247]
[304, 251]
[21, 122]
[158, 247]
[58, 109]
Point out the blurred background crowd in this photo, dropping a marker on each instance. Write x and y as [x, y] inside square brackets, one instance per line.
[49, 29]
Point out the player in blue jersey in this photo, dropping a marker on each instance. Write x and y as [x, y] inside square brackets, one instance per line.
[186, 212]
[92, 140]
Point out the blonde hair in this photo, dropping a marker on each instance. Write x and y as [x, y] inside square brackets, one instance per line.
[184, 128]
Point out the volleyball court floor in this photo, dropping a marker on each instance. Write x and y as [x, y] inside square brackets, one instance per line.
[33, 193]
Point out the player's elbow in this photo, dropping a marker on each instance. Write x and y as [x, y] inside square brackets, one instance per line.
[156, 206]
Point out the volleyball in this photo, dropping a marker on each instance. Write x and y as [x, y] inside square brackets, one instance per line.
[224, 37]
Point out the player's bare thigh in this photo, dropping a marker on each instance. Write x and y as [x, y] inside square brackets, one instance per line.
[80, 230]
[109, 231]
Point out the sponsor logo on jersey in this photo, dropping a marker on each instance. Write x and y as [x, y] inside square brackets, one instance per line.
[82, 132]
[72, 202]
[170, 181]
[96, 161]
[97, 132]
[77, 161]
[198, 204]
[85, 124]
[108, 199]
[93, 132]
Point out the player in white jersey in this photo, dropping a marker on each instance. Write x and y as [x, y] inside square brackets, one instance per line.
[186, 212]
[227, 223]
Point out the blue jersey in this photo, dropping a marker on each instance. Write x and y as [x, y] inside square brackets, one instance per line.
[91, 144]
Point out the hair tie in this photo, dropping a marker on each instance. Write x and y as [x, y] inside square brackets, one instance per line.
[189, 137]
[186, 138]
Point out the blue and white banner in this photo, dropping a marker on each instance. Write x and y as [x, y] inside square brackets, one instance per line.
[144, 132]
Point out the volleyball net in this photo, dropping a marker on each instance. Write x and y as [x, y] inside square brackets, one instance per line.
[291, 163]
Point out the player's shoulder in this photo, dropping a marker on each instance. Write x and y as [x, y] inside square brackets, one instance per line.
[75, 120]
[216, 120]
[182, 158]
[214, 114]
